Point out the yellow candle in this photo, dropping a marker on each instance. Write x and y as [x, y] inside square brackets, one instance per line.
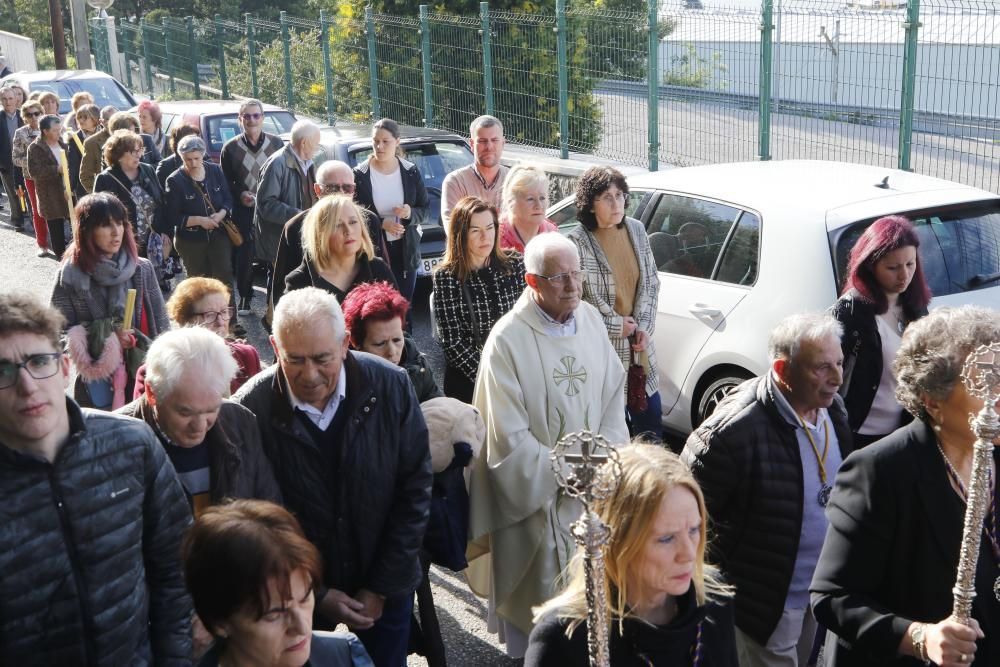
[129, 309]
[67, 188]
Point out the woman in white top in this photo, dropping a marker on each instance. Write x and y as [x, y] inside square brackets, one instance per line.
[885, 290]
[392, 190]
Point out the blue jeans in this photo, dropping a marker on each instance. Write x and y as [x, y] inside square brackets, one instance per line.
[649, 422]
[387, 642]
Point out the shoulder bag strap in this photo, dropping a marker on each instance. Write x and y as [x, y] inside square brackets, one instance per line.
[472, 314]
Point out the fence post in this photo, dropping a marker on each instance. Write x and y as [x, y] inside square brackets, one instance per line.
[372, 62]
[143, 34]
[563, 79]
[170, 58]
[193, 46]
[126, 38]
[286, 52]
[425, 57]
[223, 75]
[912, 26]
[252, 57]
[324, 35]
[484, 30]
[653, 83]
[766, 74]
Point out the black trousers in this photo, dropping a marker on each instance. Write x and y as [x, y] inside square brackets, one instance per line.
[57, 236]
[243, 256]
[457, 386]
[10, 179]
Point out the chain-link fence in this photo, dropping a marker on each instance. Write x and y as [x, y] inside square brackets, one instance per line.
[672, 82]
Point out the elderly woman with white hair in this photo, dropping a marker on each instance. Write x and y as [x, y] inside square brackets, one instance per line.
[198, 200]
[884, 579]
[213, 443]
[525, 197]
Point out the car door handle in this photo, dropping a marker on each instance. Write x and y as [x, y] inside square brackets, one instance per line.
[701, 310]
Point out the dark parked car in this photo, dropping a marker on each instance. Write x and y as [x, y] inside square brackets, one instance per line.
[435, 152]
[67, 82]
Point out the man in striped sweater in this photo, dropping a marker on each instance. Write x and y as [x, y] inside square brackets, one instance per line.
[241, 161]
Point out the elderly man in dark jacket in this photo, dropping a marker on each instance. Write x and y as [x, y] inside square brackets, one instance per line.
[90, 569]
[213, 443]
[348, 444]
[766, 460]
[285, 189]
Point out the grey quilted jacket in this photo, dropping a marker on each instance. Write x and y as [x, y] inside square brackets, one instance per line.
[90, 570]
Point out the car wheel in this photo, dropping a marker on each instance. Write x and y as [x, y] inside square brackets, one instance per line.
[716, 390]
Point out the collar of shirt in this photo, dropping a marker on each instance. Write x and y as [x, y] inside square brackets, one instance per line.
[304, 164]
[255, 146]
[552, 326]
[496, 179]
[786, 410]
[322, 418]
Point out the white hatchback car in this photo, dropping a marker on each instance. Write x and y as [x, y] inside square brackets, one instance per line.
[740, 246]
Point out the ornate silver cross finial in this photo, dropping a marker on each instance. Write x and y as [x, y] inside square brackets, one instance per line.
[587, 467]
[981, 375]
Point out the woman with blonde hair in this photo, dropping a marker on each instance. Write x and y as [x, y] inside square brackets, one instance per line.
[666, 605]
[525, 197]
[338, 250]
[31, 114]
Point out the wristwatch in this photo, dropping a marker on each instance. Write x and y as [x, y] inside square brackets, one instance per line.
[917, 638]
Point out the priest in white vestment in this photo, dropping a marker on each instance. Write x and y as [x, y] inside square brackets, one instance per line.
[547, 369]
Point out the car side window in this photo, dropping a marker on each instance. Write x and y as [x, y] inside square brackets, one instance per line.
[686, 234]
[742, 254]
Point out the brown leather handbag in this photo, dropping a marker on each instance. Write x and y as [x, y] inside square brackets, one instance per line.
[228, 225]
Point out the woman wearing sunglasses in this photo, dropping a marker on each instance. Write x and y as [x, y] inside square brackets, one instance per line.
[24, 136]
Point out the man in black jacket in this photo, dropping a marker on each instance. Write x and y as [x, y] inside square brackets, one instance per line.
[348, 444]
[766, 460]
[10, 175]
[90, 569]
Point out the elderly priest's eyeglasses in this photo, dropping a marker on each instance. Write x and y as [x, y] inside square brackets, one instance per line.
[39, 366]
[563, 278]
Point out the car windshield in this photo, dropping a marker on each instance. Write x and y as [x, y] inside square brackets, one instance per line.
[959, 246]
[104, 91]
[222, 128]
[434, 160]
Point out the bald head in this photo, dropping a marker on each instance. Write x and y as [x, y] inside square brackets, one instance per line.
[334, 177]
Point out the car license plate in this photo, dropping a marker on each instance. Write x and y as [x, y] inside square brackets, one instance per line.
[427, 265]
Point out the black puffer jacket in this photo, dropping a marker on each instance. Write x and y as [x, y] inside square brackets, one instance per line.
[237, 466]
[90, 550]
[746, 458]
[384, 490]
[862, 343]
[419, 370]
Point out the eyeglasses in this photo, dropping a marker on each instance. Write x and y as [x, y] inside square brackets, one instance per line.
[561, 278]
[253, 116]
[330, 188]
[39, 366]
[210, 316]
[32, 114]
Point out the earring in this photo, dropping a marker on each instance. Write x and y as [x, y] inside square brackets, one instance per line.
[937, 428]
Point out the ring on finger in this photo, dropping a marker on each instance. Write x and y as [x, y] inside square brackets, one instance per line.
[962, 658]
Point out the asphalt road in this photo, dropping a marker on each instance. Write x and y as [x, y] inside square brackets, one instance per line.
[462, 615]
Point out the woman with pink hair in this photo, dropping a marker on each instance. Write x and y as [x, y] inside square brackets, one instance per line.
[884, 292]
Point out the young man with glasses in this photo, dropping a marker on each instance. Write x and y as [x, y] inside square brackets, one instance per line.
[92, 505]
[333, 177]
[241, 161]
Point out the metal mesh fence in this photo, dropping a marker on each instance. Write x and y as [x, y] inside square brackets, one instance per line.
[396, 44]
[458, 77]
[829, 101]
[708, 94]
[956, 121]
[683, 82]
[524, 52]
